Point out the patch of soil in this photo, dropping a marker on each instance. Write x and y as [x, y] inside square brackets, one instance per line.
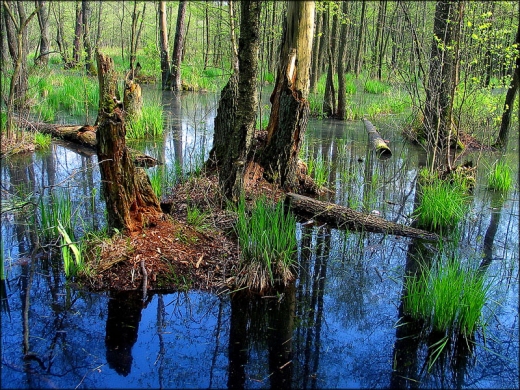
[172, 254]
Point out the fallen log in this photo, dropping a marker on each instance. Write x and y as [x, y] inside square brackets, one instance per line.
[382, 150]
[83, 135]
[345, 218]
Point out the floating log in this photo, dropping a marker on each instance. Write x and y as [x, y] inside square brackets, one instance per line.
[83, 135]
[382, 150]
[345, 218]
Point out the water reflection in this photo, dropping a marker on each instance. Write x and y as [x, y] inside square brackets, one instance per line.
[340, 326]
[123, 318]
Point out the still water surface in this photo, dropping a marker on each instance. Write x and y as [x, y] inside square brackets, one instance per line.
[338, 327]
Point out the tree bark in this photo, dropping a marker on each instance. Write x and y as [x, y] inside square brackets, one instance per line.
[43, 21]
[89, 61]
[236, 115]
[130, 200]
[77, 35]
[442, 81]
[360, 38]
[164, 45]
[341, 110]
[503, 134]
[290, 107]
[383, 152]
[345, 218]
[329, 99]
[175, 72]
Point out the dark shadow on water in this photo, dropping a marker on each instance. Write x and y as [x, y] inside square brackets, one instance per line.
[124, 315]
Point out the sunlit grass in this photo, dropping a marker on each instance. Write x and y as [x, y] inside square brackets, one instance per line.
[267, 240]
[449, 296]
[500, 177]
[442, 205]
[56, 210]
[375, 86]
[42, 141]
[149, 124]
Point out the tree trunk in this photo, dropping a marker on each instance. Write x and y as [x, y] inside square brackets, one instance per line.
[503, 134]
[290, 107]
[43, 21]
[164, 45]
[345, 218]
[77, 36]
[315, 74]
[329, 99]
[342, 92]
[60, 40]
[175, 80]
[442, 82]
[360, 38]
[130, 200]
[382, 150]
[132, 99]
[89, 60]
[236, 115]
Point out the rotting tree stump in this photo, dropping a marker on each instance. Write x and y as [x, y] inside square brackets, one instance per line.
[130, 200]
[345, 218]
[383, 152]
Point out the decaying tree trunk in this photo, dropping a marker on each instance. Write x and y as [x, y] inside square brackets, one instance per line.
[290, 107]
[346, 218]
[130, 200]
[383, 152]
[132, 98]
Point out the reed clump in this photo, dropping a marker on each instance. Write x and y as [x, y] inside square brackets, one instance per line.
[267, 241]
[500, 177]
[442, 206]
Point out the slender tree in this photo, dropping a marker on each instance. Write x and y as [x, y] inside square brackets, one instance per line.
[16, 23]
[89, 53]
[178, 45]
[342, 92]
[503, 134]
[76, 49]
[43, 21]
[164, 45]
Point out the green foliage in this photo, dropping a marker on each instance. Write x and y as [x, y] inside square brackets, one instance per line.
[55, 211]
[375, 87]
[71, 253]
[500, 177]
[449, 296]
[149, 124]
[267, 240]
[442, 206]
[43, 141]
[318, 168]
[197, 218]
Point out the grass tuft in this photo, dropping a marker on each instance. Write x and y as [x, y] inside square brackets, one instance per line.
[500, 178]
[442, 206]
[42, 141]
[267, 240]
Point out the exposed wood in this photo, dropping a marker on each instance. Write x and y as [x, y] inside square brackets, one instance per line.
[345, 218]
[382, 150]
[83, 135]
[130, 201]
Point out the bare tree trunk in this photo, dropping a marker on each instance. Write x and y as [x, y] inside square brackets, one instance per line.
[131, 202]
[98, 34]
[290, 107]
[16, 28]
[360, 38]
[135, 33]
[503, 134]
[342, 92]
[89, 60]
[315, 73]
[77, 35]
[60, 40]
[43, 21]
[175, 79]
[443, 80]
[165, 47]
[236, 115]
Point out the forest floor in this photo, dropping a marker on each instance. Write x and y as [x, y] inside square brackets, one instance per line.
[176, 254]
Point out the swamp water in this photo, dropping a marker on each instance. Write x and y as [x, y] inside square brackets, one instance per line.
[338, 327]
